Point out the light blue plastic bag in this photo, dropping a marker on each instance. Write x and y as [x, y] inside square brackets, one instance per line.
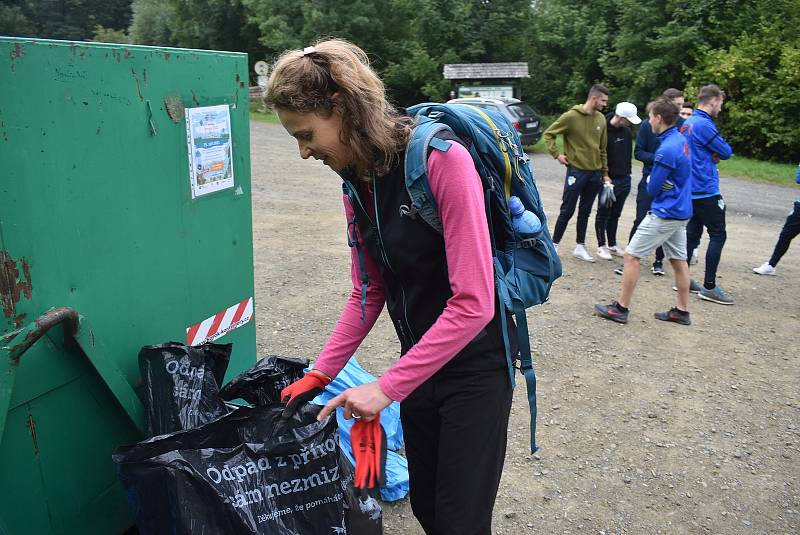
[396, 465]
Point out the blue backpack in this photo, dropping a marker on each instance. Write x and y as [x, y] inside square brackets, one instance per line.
[524, 268]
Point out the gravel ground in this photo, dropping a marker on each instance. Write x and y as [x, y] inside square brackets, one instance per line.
[644, 428]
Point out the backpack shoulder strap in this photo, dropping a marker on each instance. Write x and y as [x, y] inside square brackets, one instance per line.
[425, 136]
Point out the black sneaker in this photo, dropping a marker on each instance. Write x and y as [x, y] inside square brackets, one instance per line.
[612, 312]
[673, 314]
[658, 268]
[619, 269]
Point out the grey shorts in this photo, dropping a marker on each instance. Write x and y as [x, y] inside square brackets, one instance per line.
[654, 232]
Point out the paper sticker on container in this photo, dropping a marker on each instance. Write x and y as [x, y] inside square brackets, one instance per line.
[220, 323]
[208, 132]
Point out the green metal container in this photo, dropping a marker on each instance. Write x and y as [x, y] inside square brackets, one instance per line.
[104, 248]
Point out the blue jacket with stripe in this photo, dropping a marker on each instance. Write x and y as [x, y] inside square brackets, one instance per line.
[646, 145]
[705, 141]
[670, 182]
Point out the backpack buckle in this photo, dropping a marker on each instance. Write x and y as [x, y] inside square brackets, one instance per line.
[407, 211]
[527, 243]
[509, 138]
[517, 365]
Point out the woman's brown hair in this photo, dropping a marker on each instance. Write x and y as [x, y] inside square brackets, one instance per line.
[305, 81]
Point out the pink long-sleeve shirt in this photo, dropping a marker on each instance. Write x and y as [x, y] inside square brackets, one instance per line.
[458, 191]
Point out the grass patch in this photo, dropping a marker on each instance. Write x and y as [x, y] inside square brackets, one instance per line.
[264, 117]
[782, 174]
[541, 148]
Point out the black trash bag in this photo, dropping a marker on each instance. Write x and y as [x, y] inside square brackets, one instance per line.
[181, 385]
[251, 471]
[262, 384]
[362, 513]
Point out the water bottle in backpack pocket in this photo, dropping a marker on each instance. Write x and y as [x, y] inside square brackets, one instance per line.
[526, 224]
[527, 259]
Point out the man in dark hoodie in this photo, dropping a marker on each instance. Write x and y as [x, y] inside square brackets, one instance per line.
[583, 128]
[646, 144]
[619, 149]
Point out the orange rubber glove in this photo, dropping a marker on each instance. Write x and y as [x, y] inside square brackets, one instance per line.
[369, 449]
[303, 390]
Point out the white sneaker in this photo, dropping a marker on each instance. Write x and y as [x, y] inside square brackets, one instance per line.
[765, 269]
[616, 251]
[603, 252]
[695, 257]
[556, 246]
[581, 253]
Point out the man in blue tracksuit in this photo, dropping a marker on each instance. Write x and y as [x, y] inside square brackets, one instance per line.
[791, 228]
[708, 148]
[645, 150]
[670, 186]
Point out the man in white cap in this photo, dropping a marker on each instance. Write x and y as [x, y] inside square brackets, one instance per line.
[619, 149]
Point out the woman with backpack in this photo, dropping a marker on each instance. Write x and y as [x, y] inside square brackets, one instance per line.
[452, 380]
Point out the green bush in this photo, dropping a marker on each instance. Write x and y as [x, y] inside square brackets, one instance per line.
[760, 73]
[108, 35]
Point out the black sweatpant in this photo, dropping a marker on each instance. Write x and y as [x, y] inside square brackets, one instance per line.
[607, 219]
[455, 427]
[578, 185]
[709, 212]
[643, 202]
[791, 228]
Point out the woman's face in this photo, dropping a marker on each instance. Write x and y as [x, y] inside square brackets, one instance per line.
[317, 137]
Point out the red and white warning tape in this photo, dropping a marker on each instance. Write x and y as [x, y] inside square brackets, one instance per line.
[220, 323]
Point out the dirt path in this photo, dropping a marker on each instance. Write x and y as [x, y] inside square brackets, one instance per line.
[644, 428]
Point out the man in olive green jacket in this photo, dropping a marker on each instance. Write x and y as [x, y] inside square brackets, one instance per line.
[583, 128]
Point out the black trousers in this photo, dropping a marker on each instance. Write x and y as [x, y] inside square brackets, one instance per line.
[643, 202]
[607, 219]
[791, 228]
[578, 185]
[455, 428]
[709, 212]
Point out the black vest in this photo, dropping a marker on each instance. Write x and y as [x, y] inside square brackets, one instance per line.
[411, 257]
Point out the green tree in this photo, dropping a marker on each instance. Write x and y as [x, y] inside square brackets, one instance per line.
[151, 23]
[380, 27]
[64, 19]
[107, 35]
[415, 77]
[759, 68]
[13, 22]
[408, 41]
[213, 24]
[568, 39]
[647, 55]
[657, 41]
[460, 31]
